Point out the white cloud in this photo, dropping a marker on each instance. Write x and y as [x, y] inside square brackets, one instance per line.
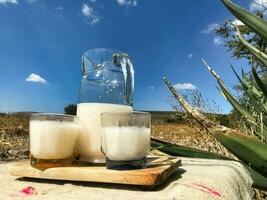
[190, 55]
[60, 8]
[88, 12]
[127, 2]
[210, 28]
[184, 86]
[152, 88]
[258, 5]
[35, 78]
[31, 1]
[218, 41]
[16, 1]
[8, 1]
[237, 22]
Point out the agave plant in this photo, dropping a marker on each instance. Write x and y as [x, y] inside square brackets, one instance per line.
[251, 150]
[255, 114]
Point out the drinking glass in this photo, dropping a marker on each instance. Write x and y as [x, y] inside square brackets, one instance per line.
[52, 139]
[125, 139]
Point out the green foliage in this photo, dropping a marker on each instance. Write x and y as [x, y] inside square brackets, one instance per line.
[2, 114]
[261, 56]
[259, 181]
[259, 82]
[255, 23]
[243, 42]
[178, 118]
[177, 150]
[256, 112]
[70, 109]
[225, 120]
[251, 152]
[225, 92]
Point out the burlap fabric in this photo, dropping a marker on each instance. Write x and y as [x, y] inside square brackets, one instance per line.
[196, 179]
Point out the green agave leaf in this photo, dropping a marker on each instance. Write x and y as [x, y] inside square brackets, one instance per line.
[257, 53]
[259, 82]
[230, 98]
[236, 104]
[250, 119]
[250, 151]
[259, 181]
[238, 77]
[252, 21]
[255, 97]
[246, 114]
[252, 86]
[177, 150]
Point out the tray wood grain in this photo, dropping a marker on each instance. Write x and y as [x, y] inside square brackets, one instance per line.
[158, 170]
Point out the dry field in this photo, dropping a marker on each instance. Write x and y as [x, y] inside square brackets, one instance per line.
[14, 136]
[187, 135]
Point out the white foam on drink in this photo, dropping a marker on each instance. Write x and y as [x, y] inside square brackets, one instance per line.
[52, 139]
[126, 143]
[89, 139]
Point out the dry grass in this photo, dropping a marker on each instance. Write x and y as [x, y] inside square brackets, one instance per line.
[14, 136]
[188, 135]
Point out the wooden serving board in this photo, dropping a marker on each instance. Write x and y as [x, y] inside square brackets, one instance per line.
[158, 170]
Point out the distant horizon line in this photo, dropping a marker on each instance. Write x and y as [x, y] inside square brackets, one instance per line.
[173, 111]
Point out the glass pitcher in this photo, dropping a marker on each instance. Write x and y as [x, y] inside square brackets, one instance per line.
[107, 85]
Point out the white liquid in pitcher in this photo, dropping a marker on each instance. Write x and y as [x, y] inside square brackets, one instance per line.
[89, 139]
[52, 139]
[126, 143]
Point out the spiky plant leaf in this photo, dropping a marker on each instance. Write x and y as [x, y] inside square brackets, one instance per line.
[257, 53]
[259, 181]
[250, 151]
[259, 82]
[253, 87]
[260, 130]
[177, 150]
[250, 118]
[254, 22]
[256, 99]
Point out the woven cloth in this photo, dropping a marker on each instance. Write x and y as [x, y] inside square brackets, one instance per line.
[196, 179]
[214, 179]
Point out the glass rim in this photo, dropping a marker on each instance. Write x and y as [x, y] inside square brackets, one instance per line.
[119, 113]
[103, 49]
[110, 50]
[52, 115]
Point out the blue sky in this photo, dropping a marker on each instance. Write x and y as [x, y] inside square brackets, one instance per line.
[41, 42]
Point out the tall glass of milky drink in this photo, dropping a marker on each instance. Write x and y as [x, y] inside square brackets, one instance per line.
[126, 139]
[52, 139]
[107, 85]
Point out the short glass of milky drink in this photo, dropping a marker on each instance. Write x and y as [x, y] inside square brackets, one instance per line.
[125, 139]
[52, 140]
